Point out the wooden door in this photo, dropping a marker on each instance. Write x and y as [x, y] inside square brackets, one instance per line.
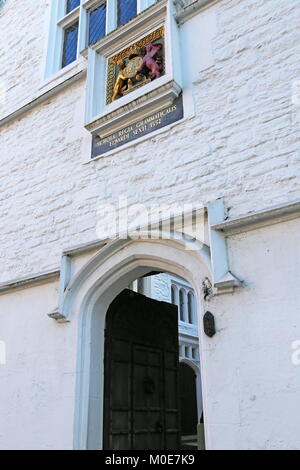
[141, 400]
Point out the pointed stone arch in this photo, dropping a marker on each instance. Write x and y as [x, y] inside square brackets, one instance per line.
[88, 297]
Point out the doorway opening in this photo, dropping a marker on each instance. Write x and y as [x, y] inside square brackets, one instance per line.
[152, 380]
[93, 289]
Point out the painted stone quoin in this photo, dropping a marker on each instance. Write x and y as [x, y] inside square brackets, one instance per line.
[136, 66]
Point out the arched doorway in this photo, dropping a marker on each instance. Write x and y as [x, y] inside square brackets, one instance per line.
[88, 298]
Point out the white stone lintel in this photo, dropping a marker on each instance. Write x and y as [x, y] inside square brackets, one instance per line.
[118, 117]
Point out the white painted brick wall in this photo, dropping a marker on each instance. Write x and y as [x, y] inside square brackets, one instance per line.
[242, 144]
[23, 36]
[38, 379]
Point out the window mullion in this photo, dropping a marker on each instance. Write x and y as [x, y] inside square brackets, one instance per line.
[111, 15]
[83, 29]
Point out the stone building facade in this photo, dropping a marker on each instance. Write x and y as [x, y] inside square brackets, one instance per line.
[233, 156]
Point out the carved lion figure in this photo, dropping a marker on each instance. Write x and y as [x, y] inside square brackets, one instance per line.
[150, 62]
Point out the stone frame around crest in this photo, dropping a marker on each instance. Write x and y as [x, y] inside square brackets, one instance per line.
[111, 65]
[102, 118]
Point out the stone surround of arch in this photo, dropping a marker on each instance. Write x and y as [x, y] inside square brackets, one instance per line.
[89, 296]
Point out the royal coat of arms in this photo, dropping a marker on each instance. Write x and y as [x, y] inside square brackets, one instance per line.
[139, 64]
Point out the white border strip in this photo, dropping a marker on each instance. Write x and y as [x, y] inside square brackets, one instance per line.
[30, 280]
[262, 218]
[253, 221]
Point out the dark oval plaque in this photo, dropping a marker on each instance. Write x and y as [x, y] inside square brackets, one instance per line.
[209, 324]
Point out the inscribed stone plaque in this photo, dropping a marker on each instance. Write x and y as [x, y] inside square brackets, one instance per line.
[140, 128]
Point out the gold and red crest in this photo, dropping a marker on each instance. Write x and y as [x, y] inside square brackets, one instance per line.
[135, 66]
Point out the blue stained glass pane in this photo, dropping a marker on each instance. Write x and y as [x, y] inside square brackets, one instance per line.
[127, 9]
[97, 24]
[70, 45]
[71, 4]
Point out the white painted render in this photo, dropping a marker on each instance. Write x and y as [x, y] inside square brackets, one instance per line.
[240, 142]
[37, 380]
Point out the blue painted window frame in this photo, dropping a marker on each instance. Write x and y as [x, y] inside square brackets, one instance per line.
[64, 13]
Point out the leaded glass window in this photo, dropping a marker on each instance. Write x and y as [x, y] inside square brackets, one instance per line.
[72, 4]
[97, 23]
[127, 9]
[70, 45]
[86, 21]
